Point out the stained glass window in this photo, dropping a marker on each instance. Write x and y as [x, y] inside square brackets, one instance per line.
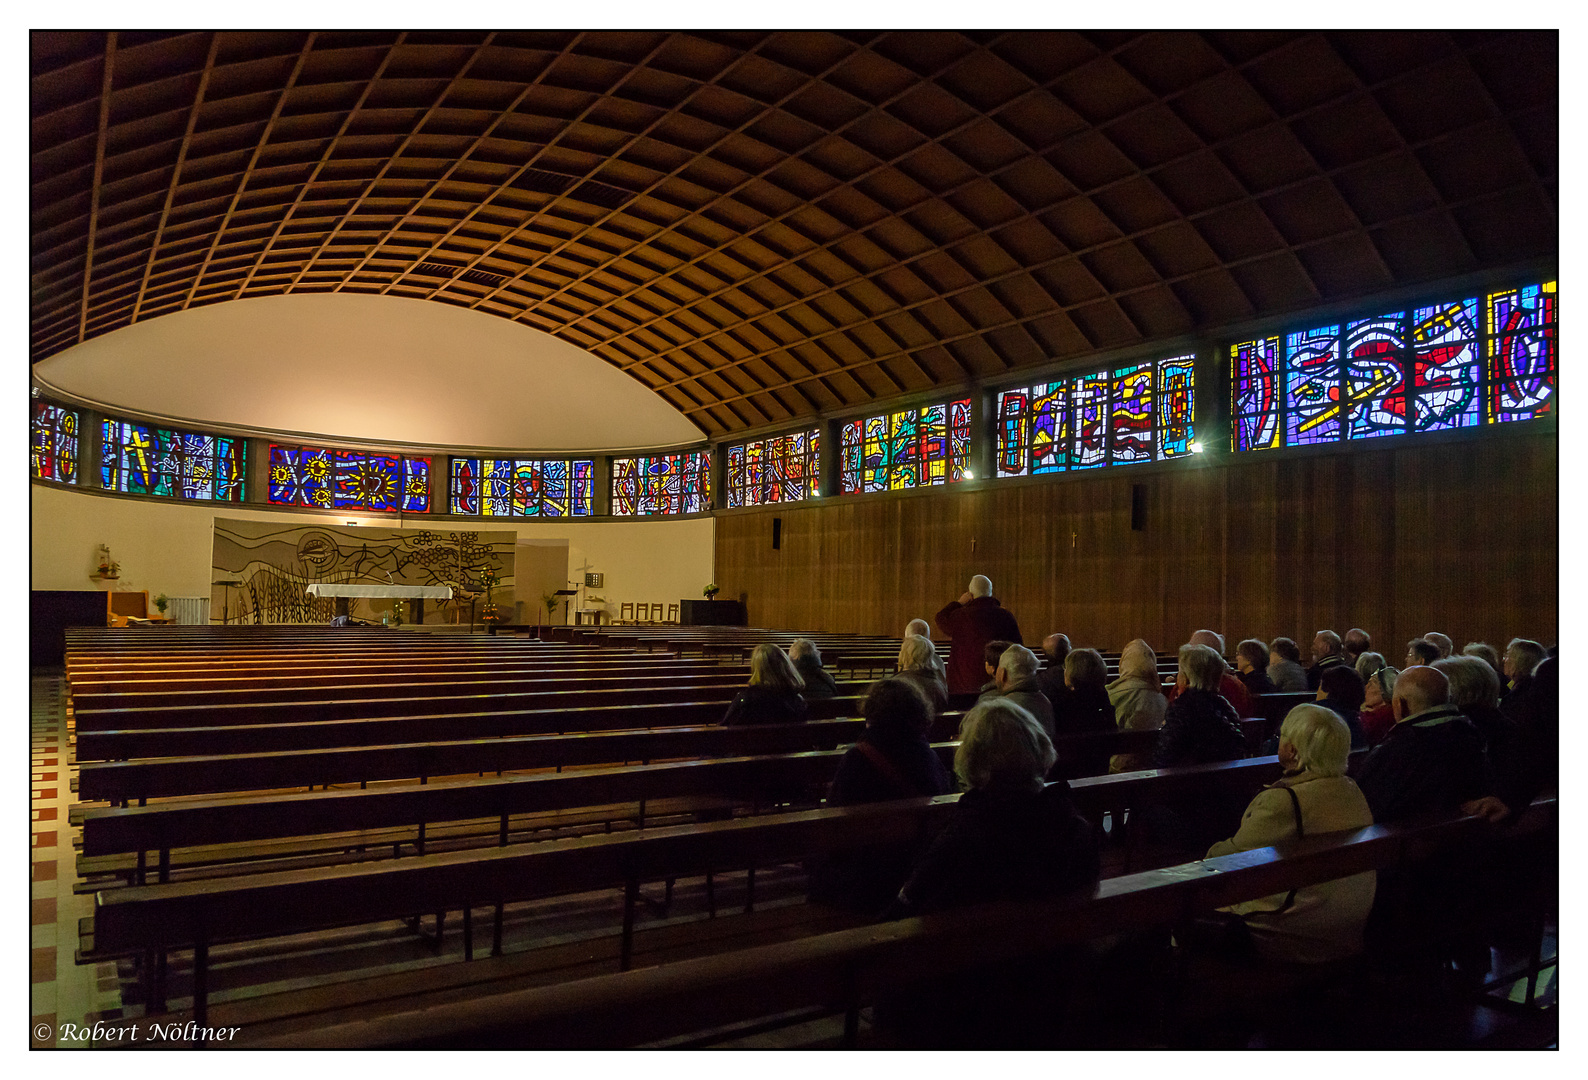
[662, 484]
[142, 460]
[1521, 333]
[491, 487]
[1141, 412]
[53, 453]
[1447, 366]
[1454, 364]
[907, 449]
[784, 468]
[348, 479]
[1254, 384]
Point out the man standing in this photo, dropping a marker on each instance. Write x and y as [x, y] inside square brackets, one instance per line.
[1325, 655]
[970, 623]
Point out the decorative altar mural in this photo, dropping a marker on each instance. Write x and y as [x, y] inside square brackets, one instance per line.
[275, 563]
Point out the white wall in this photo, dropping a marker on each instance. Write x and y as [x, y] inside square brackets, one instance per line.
[166, 547]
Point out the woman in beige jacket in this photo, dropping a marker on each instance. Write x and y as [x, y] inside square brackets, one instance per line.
[1138, 700]
[1321, 922]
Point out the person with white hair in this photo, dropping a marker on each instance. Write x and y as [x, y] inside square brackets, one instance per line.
[1055, 647]
[919, 664]
[1013, 836]
[1199, 725]
[773, 696]
[1516, 667]
[1016, 680]
[918, 628]
[1378, 709]
[819, 682]
[1230, 686]
[1010, 837]
[970, 623]
[1326, 653]
[1441, 642]
[1318, 923]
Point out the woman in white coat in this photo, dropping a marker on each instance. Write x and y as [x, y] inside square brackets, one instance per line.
[1318, 923]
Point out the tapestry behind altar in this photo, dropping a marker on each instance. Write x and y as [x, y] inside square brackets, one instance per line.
[275, 563]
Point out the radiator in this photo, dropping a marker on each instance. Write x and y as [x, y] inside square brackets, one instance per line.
[189, 610]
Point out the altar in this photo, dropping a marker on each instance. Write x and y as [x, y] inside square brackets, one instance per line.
[415, 594]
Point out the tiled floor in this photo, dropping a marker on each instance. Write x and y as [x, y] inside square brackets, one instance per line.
[66, 999]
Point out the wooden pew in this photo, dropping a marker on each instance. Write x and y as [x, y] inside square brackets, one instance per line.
[162, 917]
[848, 969]
[162, 828]
[401, 728]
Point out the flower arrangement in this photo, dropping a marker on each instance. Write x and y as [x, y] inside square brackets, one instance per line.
[710, 592]
[161, 602]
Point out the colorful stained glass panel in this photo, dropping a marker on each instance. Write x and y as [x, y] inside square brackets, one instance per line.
[1131, 431]
[1521, 352]
[1374, 373]
[1176, 401]
[661, 484]
[1255, 386]
[1091, 421]
[1446, 365]
[141, 460]
[784, 468]
[522, 487]
[1312, 386]
[53, 449]
[348, 479]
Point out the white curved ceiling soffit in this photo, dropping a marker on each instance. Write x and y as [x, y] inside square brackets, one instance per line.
[377, 369]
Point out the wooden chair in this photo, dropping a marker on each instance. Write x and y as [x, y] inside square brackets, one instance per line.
[672, 614]
[626, 614]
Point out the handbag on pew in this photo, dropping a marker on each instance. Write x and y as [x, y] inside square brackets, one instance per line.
[1224, 931]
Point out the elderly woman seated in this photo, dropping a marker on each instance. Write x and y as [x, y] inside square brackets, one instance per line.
[819, 682]
[1378, 707]
[892, 760]
[1137, 697]
[1199, 726]
[1475, 690]
[773, 696]
[1317, 923]
[1085, 706]
[1011, 837]
[919, 663]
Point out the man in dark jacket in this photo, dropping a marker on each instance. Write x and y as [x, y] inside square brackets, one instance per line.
[1326, 653]
[1431, 760]
[1055, 647]
[970, 623]
[819, 682]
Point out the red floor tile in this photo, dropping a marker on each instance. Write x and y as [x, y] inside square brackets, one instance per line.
[44, 813]
[51, 761]
[44, 870]
[43, 964]
[47, 776]
[45, 839]
[44, 793]
[43, 910]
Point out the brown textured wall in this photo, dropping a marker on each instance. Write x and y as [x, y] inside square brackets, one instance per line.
[1456, 534]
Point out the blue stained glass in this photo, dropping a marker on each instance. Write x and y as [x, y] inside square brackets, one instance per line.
[1375, 382]
[1312, 386]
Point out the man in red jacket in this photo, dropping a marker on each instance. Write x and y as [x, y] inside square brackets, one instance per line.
[970, 623]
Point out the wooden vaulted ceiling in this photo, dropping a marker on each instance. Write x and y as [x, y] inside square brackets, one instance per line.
[767, 226]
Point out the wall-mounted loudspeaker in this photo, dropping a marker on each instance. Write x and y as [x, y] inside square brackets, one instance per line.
[1138, 507]
[777, 533]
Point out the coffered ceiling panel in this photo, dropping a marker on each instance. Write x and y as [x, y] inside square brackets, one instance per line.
[765, 226]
